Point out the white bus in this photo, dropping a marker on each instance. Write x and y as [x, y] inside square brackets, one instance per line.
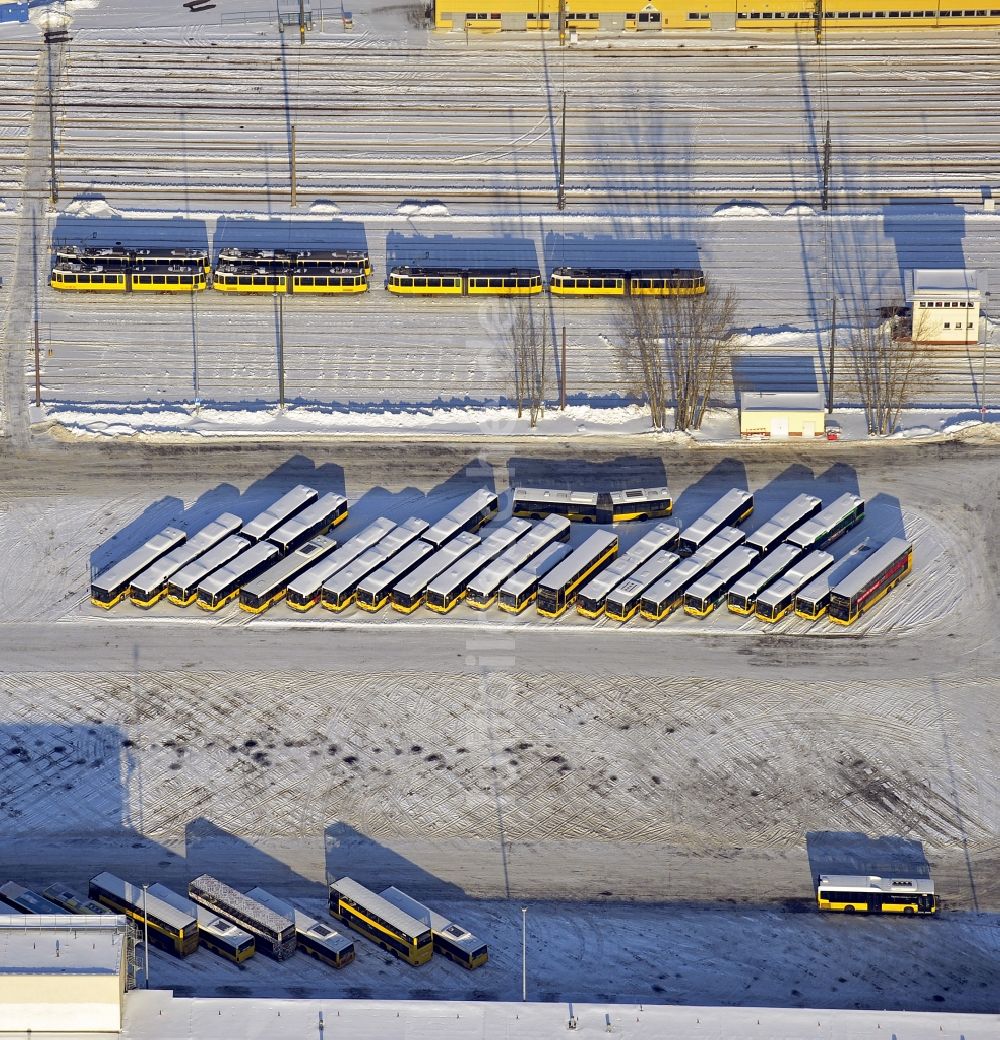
[215, 933]
[408, 592]
[182, 588]
[271, 518]
[113, 584]
[777, 600]
[304, 590]
[521, 588]
[483, 589]
[468, 516]
[223, 585]
[557, 590]
[593, 596]
[826, 527]
[743, 595]
[871, 894]
[729, 511]
[667, 594]
[622, 603]
[538, 503]
[447, 589]
[709, 591]
[316, 940]
[150, 586]
[373, 591]
[270, 586]
[780, 526]
[318, 518]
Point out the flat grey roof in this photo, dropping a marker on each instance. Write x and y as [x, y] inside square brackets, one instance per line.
[279, 511]
[599, 542]
[945, 281]
[781, 401]
[237, 567]
[139, 559]
[326, 506]
[198, 544]
[83, 944]
[189, 576]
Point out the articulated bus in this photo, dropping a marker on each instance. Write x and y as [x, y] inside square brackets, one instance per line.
[215, 933]
[447, 589]
[622, 603]
[223, 585]
[150, 586]
[325, 513]
[436, 281]
[664, 596]
[373, 591]
[557, 590]
[269, 587]
[875, 895]
[26, 901]
[538, 503]
[72, 902]
[586, 281]
[182, 588]
[780, 526]
[378, 920]
[521, 588]
[410, 590]
[304, 591]
[814, 599]
[481, 592]
[743, 595]
[169, 928]
[617, 507]
[274, 934]
[279, 512]
[833, 522]
[450, 940]
[593, 596]
[316, 940]
[710, 590]
[113, 585]
[729, 511]
[881, 572]
[469, 515]
[778, 599]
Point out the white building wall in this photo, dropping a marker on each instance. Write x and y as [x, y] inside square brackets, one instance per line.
[60, 1003]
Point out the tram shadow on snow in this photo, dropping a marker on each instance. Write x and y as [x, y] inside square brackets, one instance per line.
[614, 252]
[170, 511]
[283, 232]
[496, 252]
[134, 232]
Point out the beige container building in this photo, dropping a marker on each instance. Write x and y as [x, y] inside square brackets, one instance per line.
[946, 306]
[778, 414]
[64, 974]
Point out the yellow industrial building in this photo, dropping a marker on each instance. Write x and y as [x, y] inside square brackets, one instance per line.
[582, 16]
[779, 414]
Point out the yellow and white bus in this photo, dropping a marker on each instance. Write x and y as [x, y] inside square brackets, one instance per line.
[558, 589]
[871, 894]
[378, 920]
[590, 602]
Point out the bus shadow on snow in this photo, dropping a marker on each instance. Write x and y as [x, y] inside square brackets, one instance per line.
[586, 474]
[698, 496]
[850, 852]
[171, 511]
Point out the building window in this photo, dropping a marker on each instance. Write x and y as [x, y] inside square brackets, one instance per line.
[947, 324]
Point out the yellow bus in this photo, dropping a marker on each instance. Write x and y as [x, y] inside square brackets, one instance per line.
[557, 590]
[378, 920]
[849, 893]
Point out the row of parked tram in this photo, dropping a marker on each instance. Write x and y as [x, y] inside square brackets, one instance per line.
[237, 925]
[287, 553]
[79, 268]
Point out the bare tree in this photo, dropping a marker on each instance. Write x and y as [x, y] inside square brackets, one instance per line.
[889, 365]
[678, 350]
[526, 333]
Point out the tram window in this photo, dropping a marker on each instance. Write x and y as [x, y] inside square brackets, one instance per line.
[69, 279]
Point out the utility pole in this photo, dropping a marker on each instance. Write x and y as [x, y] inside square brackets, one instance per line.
[145, 940]
[827, 156]
[302, 22]
[292, 160]
[562, 23]
[833, 355]
[818, 21]
[562, 373]
[524, 951]
[54, 36]
[281, 349]
[38, 369]
[561, 194]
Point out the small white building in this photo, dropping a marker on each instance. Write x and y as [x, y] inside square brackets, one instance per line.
[946, 306]
[778, 414]
[63, 974]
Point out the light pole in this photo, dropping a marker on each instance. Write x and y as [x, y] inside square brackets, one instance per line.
[145, 939]
[524, 953]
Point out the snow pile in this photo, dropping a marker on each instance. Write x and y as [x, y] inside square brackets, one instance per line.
[741, 209]
[323, 208]
[800, 209]
[91, 208]
[417, 209]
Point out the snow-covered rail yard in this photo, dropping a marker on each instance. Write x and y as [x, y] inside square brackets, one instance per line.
[660, 797]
